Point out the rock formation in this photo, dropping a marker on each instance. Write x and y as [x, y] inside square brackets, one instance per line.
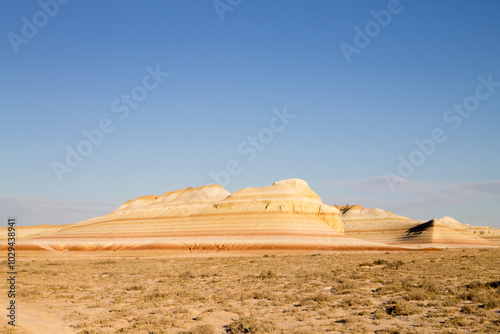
[486, 233]
[23, 232]
[287, 215]
[385, 227]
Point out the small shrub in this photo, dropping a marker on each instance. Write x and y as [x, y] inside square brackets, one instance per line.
[355, 301]
[322, 298]
[348, 285]
[401, 308]
[394, 265]
[380, 314]
[246, 325]
[458, 321]
[347, 320]
[431, 286]
[494, 284]
[366, 264]
[203, 329]
[418, 294]
[467, 309]
[267, 275]
[491, 304]
[154, 296]
[186, 275]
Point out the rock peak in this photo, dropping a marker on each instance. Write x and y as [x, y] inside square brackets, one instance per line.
[299, 187]
[293, 182]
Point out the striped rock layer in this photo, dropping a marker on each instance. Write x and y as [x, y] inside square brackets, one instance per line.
[486, 233]
[287, 215]
[381, 226]
[24, 232]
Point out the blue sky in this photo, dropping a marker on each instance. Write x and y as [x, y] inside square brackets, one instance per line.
[231, 70]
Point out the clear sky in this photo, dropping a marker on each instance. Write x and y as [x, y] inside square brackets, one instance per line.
[154, 96]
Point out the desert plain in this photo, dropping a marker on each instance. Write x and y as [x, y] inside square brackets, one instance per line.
[446, 291]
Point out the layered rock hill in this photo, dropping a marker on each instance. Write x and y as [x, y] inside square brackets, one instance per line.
[287, 215]
[382, 226]
[23, 232]
[487, 233]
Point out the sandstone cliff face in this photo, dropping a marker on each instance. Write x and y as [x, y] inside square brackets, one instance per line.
[285, 215]
[385, 227]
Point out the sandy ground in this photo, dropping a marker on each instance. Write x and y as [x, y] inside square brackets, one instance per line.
[453, 291]
[35, 321]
